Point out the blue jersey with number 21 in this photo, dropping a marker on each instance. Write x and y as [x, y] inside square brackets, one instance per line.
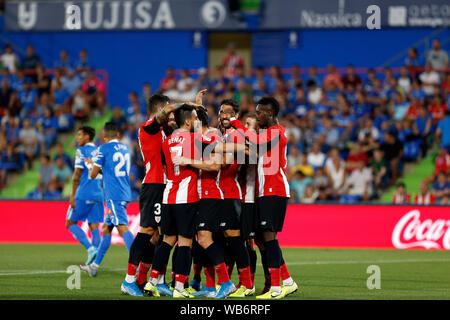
[115, 160]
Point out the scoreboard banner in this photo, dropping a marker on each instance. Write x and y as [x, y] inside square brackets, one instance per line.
[308, 226]
[96, 15]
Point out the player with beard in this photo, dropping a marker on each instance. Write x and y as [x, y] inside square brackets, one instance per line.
[230, 220]
[150, 136]
[273, 190]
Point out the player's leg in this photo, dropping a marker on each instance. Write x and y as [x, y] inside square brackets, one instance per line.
[235, 243]
[121, 222]
[80, 213]
[197, 261]
[96, 216]
[248, 230]
[95, 233]
[92, 269]
[162, 252]
[260, 244]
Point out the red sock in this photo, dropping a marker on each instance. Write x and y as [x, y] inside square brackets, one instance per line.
[180, 278]
[284, 272]
[210, 274]
[131, 270]
[245, 277]
[154, 274]
[222, 273]
[143, 270]
[275, 275]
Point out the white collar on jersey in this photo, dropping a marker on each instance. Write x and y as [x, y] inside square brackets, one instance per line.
[90, 144]
[114, 140]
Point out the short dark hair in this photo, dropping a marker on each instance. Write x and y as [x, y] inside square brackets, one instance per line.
[155, 101]
[203, 117]
[231, 102]
[182, 113]
[89, 131]
[272, 102]
[401, 184]
[111, 130]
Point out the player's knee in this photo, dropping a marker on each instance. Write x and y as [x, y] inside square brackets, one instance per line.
[93, 226]
[106, 230]
[155, 238]
[204, 240]
[69, 223]
[232, 233]
[170, 240]
[147, 230]
[182, 241]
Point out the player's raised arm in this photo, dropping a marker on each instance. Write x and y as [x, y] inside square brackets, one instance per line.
[212, 164]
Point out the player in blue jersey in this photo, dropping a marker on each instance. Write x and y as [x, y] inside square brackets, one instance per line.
[86, 199]
[114, 160]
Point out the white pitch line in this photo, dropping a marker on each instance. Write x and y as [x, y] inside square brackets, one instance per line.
[298, 263]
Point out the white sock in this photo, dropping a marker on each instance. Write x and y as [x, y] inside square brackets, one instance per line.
[276, 288]
[288, 282]
[130, 279]
[94, 265]
[160, 279]
[91, 248]
[179, 286]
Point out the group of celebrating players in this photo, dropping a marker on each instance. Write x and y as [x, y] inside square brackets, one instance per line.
[208, 193]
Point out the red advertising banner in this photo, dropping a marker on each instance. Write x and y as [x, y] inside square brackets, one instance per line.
[321, 226]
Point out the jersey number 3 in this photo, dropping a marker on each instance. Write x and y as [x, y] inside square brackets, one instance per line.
[123, 160]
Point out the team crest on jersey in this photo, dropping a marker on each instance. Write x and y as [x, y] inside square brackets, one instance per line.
[157, 219]
[109, 212]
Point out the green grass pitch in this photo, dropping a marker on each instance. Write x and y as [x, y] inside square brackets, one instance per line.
[39, 272]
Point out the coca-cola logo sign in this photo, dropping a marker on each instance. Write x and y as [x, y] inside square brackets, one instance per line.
[411, 232]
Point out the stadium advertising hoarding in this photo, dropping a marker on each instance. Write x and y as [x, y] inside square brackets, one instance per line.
[215, 14]
[316, 226]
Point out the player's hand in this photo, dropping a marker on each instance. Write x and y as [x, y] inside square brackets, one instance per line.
[199, 96]
[180, 161]
[72, 202]
[196, 105]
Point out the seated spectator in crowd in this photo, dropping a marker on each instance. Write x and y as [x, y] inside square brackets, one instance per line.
[359, 182]
[441, 163]
[298, 184]
[45, 172]
[393, 153]
[424, 196]
[424, 123]
[429, 79]
[49, 125]
[60, 154]
[53, 192]
[9, 59]
[323, 195]
[27, 97]
[369, 130]
[5, 94]
[59, 95]
[310, 194]
[412, 60]
[80, 107]
[356, 155]
[320, 178]
[314, 93]
[221, 84]
[71, 82]
[404, 81]
[43, 82]
[145, 95]
[119, 119]
[94, 90]
[332, 77]
[379, 171]
[11, 160]
[31, 60]
[12, 131]
[437, 57]
[331, 132]
[83, 66]
[440, 188]
[437, 109]
[351, 78]
[28, 137]
[65, 118]
[64, 61]
[169, 81]
[401, 196]
[413, 110]
[232, 61]
[316, 158]
[294, 157]
[61, 174]
[335, 170]
[417, 91]
[443, 131]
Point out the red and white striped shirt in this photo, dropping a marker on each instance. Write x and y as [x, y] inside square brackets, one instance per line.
[272, 161]
[424, 199]
[181, 184]
[228, 182]
[401, 198]
[208, 182]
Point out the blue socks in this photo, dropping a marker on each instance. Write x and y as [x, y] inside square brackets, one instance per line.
[80, 236]
[103, 248]
[95, 237]
[128, 238]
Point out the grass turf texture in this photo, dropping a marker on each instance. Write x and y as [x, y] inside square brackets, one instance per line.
[38, 272]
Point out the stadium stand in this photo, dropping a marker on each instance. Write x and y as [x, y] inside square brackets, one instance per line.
[351, 131]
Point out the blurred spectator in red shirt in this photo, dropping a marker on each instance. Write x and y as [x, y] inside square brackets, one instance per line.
[169, 81]
[231, 61]
[424, 196]
[442, 162]
[401, 196]
[332, 76]
[356, 155]
[351, 78]
[437, 109]
[413, 110]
